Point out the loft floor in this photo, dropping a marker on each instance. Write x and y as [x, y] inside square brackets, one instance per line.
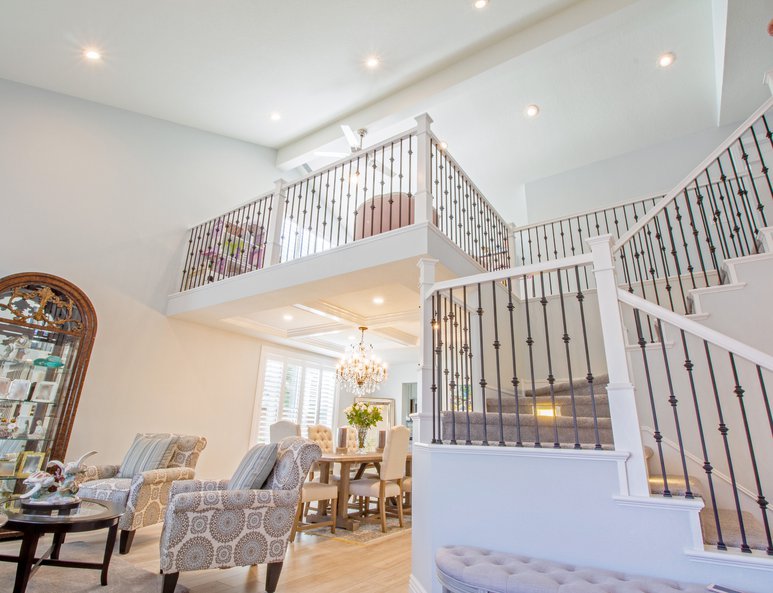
[316, 302]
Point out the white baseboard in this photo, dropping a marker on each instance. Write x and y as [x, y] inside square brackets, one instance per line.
[414, 586]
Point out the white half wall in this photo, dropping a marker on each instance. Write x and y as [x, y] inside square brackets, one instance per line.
[103, 197]
[564, 506]
[643, 173]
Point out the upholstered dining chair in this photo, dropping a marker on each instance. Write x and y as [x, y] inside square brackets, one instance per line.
[279, 431]
[390, 481]
[209, 525]
[142, 482]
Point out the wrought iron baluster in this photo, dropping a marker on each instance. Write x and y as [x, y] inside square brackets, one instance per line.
[724, 430]
[530, 345]
[452, 357]
[589, 374]
[761, 500]
[550, 378]
[658, 436]
[566, 339]
[515, 382]
[482, 366]
[496, 345]
[707, 467]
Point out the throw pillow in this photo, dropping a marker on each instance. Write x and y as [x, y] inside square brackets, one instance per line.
[254, 468]
[145, 454]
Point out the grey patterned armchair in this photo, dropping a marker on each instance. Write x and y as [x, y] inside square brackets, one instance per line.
[208, 526]
[144, 495]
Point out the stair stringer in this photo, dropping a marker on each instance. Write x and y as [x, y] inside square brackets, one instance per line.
[740, 307]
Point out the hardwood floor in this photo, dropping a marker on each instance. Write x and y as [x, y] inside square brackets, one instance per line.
[311, 564]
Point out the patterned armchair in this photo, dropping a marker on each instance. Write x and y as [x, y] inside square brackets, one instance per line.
[144, 495]
[208, 526]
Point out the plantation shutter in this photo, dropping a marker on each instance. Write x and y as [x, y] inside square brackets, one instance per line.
[301, 391]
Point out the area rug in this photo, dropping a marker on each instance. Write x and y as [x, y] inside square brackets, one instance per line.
[369, 531]
[122, 577]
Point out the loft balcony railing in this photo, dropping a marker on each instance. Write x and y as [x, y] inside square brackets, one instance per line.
[405, 180]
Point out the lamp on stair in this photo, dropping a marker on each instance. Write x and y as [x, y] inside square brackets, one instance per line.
[359, 371]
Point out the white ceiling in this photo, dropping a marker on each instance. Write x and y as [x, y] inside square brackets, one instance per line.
[226, 65]
[590, 64]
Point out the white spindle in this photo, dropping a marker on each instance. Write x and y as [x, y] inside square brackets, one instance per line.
[423, 428]
[274, 242]
[423, 196]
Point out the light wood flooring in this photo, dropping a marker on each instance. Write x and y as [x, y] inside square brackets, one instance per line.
[312, 563]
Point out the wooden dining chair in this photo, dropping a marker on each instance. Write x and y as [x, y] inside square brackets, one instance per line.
[390, 481]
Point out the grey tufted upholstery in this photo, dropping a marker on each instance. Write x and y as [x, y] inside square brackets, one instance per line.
[463, 569]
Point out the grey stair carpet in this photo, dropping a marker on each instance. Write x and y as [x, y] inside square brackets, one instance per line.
[676, 485]
[728, 519]
[568, 399]
[731, 530]
[563, 425]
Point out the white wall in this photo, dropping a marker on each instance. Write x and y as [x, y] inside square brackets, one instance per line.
[637, 174]
[103, 197]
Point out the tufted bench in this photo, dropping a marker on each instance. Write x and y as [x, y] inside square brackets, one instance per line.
[462, 569]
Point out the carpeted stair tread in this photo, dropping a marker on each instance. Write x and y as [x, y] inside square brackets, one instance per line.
[582, 404]
[676, 485]
[547, 426]
[731, 531]
[581, 387]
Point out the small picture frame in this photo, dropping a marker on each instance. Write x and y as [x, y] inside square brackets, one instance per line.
[31, 462]
[45, 392]
[19, 389]
[8, 466]
[5, 386]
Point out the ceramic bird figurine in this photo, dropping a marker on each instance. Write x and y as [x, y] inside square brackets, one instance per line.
[38, 484]
[67, 474]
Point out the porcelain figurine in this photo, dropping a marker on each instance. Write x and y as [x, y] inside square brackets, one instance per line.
[64, 478]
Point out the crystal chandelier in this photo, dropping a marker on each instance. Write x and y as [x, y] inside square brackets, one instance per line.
[359, 371]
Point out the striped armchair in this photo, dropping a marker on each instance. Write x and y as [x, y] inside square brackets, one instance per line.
[144, 495]
[207, 525]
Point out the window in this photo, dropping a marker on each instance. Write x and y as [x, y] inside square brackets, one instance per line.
[295, 388]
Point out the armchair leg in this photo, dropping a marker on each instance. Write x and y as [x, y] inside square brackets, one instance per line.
[170, 582]
[127, 537]
[273, 570]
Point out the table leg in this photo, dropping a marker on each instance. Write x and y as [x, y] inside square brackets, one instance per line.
[112, 532]
[57, 545]
[343, 520]
[29, 545]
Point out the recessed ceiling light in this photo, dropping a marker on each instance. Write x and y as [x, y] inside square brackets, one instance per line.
[92, 55]
[372, 62]
[531, 111]
[287, 317]
[480, 3]
[275, 116]
[378, 300]
[443, 145]
[666, 59]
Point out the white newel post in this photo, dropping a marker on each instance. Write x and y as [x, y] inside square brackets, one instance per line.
[622, 404]
[274, 242]
[423, 196]
[511, 235]
[422, 421]
[769, 79]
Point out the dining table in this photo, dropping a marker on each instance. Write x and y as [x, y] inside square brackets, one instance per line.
[347, 461]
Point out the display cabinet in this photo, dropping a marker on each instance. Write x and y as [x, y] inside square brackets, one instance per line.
[47, 329]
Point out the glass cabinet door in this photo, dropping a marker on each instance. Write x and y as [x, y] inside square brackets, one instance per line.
[45, 341]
